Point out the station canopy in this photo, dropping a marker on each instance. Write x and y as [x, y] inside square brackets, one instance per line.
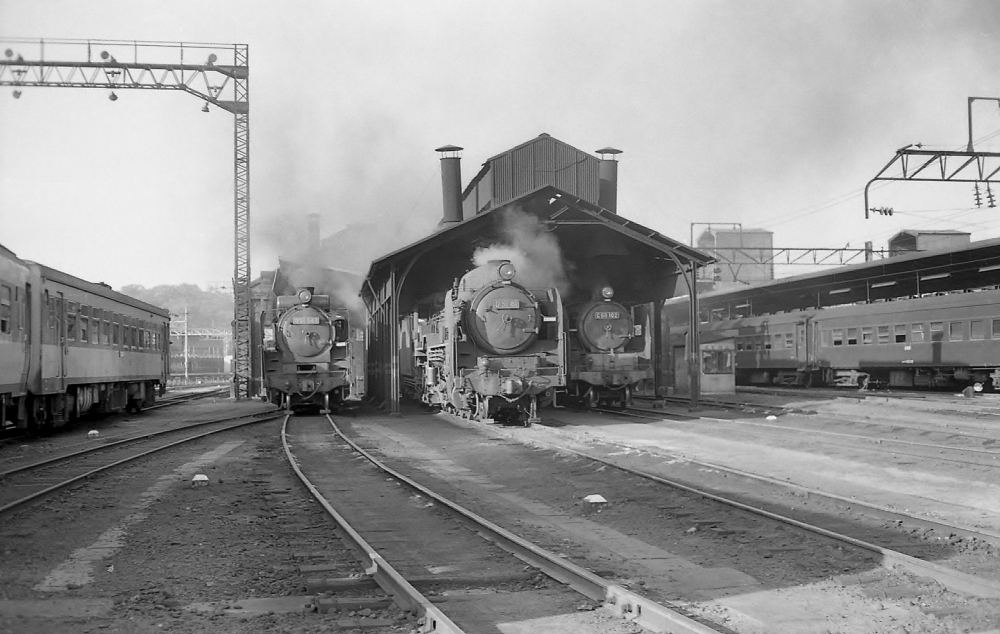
[975, 265]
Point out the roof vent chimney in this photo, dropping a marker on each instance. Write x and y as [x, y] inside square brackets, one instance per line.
[607, 172]
[451, 183]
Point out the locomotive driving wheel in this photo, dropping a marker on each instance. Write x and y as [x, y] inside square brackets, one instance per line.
[482, 407]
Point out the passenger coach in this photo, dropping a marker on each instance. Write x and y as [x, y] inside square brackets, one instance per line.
[68, 346]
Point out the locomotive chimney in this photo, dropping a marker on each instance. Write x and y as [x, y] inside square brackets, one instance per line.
[607, 172]
[451, 183]
[312, 233]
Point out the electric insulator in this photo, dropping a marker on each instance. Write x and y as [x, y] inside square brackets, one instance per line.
[990, 198]
[978, 196]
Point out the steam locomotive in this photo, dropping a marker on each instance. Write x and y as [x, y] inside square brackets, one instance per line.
[69, 347]
[308, 352]
[608, 354]
[488, 348]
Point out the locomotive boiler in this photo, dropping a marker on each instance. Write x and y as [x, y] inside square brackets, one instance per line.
[608, 355]
[306, 351]
[488, 348]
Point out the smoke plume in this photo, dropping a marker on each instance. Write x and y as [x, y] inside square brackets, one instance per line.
[534, 252]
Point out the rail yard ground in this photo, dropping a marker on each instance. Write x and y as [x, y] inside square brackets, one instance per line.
[142, 550]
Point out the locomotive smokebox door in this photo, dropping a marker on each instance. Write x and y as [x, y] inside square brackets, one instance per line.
[605, 326]
[505, 319]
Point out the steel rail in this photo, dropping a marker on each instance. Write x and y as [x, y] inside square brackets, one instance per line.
[186, 398]
[624, 603]
[432, 619]
[64, 484]
[950, 578]
[146, 436]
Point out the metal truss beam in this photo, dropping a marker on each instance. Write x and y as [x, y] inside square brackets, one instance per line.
[913, 163]
[800, 256]
[211, 82]
[939, 166]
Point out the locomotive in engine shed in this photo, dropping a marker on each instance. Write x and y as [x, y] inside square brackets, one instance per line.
[608, 352]
[489, 347]
[306, 351]
[549, 210]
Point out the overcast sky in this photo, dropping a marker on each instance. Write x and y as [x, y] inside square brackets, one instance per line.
[770, 114]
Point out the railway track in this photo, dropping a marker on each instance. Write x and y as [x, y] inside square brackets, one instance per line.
[402, 534]
[10, 434]
[982, 584]
[30, 482]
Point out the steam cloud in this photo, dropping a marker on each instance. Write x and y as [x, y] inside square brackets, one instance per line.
[341, 286]
[534, 252]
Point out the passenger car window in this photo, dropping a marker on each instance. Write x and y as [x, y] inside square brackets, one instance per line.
[5, 304]
[977, 329]
[883, 334]
[956, 331]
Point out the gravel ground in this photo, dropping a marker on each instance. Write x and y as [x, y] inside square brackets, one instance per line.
[163, 555]
[749, 575]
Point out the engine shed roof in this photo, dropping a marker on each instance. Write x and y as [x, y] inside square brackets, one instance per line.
[969, 267]
[596, 244]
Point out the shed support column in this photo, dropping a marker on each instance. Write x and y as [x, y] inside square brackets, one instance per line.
[694, 341]
[394, 338]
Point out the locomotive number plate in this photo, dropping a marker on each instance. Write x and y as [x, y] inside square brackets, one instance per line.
[607, 315]
[506, 303]
[307, 321]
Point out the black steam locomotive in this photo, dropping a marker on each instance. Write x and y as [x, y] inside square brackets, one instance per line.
[488, 348]
[608, 354]
[307, 351]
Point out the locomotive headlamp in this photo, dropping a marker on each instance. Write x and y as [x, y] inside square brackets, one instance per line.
[506, 271]
[305, 296]
[607, 292]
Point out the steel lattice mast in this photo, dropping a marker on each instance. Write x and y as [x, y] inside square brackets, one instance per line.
[209, 81]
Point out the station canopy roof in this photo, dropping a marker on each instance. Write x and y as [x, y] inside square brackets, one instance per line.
[973, 266]
[598, 247]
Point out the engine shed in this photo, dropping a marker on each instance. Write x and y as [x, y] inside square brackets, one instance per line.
[547, 201]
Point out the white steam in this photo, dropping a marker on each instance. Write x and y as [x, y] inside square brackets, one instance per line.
[534, 252]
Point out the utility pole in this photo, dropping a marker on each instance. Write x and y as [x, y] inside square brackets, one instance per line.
[185, 344]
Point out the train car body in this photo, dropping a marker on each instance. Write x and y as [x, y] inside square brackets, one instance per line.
[609, 353]
[942, 341]
[75, 347]
[15, 351]
[488, 348]
[307, 351]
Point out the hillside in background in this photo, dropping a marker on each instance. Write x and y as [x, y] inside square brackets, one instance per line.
[206, 309]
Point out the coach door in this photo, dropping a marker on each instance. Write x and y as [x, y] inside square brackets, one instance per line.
[802, 345]
[61, 340]
[53, 344]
